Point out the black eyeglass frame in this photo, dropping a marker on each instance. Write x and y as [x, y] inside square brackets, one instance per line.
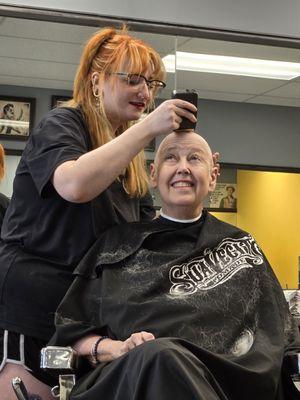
[158, 85]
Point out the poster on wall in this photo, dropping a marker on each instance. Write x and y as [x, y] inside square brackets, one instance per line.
[16, 117]
[224, 197]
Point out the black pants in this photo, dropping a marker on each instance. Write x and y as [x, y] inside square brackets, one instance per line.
[159, 369]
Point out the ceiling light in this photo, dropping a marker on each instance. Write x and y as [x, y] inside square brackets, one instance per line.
[232, 65]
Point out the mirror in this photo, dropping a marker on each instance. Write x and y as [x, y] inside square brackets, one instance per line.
[253, 122]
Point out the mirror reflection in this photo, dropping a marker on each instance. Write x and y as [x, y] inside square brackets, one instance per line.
[39, 61]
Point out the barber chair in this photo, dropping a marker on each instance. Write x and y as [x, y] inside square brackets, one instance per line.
[63, 360]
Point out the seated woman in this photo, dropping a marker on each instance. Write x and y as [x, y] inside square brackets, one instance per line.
[182, 307]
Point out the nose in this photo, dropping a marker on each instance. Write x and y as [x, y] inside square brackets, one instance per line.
[183, 167]
[144, 91]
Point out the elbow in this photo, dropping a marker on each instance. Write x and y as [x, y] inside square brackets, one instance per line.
[69, 184]
[73, 193]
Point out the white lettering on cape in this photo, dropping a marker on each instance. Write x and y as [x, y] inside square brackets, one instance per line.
[215, 266]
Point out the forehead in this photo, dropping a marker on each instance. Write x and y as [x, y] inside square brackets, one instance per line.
[184, 143]
[147, 72]
[180, 148]
[137, 66]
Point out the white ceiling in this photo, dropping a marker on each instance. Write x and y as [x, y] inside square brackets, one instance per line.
[46, 54]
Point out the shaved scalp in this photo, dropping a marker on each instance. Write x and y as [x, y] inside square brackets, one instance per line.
[174, 139]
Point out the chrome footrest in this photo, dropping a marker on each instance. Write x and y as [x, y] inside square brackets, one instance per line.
[66, 383]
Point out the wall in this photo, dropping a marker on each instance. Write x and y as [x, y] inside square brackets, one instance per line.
[268, 208]
[242, 133]
[43, 104]
[267, 201]
[251, 133]
[271, 17]
[6, 185]
[230, 218]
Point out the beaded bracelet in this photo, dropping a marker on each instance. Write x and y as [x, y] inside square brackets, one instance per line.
[94, 350]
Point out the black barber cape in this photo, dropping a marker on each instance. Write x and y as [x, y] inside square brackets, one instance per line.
[206, 284]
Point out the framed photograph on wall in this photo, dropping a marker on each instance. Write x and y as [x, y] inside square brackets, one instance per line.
[59, 101]
[224, 197]
[16, 117]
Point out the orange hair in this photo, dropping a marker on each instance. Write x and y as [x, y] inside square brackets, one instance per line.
[108, 51]
[2, 169]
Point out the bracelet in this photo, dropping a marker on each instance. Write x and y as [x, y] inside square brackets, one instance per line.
[94, 349]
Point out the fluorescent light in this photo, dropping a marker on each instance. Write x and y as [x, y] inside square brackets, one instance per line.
[232, 65]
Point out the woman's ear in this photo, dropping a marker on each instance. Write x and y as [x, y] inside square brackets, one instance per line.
[95, 78]
[153, 175]
[97, 84]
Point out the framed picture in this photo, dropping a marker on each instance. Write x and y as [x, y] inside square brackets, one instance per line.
[224, 198]
[59, 101]
[16, 117]
[292, 297]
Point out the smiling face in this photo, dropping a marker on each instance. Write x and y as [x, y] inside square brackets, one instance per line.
[184, 174]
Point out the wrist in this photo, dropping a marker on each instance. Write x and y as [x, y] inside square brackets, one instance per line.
[146, 131]
[95, 350]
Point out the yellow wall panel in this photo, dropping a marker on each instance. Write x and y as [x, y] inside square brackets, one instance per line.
[230, 218]
[268, 208]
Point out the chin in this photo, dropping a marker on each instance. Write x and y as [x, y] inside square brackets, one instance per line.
[186, 202]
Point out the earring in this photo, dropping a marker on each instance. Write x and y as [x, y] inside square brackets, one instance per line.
[97, 98]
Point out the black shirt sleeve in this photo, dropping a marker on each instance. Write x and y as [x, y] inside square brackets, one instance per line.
[61, 136]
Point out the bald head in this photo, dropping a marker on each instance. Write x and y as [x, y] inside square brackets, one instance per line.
[183, 139]
[184, 174]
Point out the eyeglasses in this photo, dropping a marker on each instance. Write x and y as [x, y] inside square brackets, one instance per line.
[138, 80]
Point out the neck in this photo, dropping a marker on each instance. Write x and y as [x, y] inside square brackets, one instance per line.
[114, 123]
[182, 220]
[182, 212]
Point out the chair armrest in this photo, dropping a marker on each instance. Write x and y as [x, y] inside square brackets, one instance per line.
[63, 361]
[61, 358]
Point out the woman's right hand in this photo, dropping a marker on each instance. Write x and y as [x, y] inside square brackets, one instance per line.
[167, 117]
